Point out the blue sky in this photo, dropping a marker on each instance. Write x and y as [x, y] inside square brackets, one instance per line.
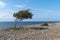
[43, 10]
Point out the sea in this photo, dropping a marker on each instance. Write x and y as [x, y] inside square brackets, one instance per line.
[11, 24]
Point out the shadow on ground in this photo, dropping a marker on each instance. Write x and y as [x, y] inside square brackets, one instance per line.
[39, 28]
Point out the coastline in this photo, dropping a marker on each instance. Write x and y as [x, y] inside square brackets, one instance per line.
[52, 33]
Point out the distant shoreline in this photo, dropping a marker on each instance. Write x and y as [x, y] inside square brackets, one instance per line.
[11, 24]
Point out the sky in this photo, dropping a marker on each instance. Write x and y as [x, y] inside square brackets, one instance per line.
[43, 10]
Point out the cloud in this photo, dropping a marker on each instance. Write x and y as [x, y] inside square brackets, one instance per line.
[20, 6]
[6, 14]
[2, 4]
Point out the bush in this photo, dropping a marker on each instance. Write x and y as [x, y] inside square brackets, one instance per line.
[45, 24]
[49, 22]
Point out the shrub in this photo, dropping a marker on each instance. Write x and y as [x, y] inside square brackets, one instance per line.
[45, 24]
[49, 22]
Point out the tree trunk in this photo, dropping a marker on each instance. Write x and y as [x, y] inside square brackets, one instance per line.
[16, 20]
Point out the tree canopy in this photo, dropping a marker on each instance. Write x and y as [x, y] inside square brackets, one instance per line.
[23, 14]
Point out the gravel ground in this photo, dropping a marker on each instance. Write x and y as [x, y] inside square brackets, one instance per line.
[32, 34]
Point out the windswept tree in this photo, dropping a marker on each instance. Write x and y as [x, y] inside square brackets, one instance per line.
[21, 15]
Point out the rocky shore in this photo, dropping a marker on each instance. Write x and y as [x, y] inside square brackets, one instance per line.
[32, 32]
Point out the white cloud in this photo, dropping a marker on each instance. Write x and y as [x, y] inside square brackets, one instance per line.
[6, 14]
[20, 6]
[2, 4]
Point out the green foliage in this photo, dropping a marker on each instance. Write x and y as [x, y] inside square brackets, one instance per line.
[49, 22]
[45, 24]
[23, 14]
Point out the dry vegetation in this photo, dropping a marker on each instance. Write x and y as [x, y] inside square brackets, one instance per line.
[32, 33]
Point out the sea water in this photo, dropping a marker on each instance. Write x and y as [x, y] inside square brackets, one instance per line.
[11, 24]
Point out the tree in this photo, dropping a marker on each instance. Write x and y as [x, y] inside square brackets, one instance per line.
[21, 15]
